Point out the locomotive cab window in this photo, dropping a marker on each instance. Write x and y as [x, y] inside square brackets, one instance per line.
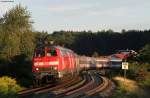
[51, 52]
[39, 53]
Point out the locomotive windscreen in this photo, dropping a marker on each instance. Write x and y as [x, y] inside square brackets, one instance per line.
[51, 52]
[42, 52]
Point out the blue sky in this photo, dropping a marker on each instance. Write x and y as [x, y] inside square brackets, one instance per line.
[78, 15]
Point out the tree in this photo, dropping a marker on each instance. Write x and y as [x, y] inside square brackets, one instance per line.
[95, 54]
[123, 31]
[17, 20]
[16, 33]
[10, 46]
[27, 44]
[145, 53]
[1, 32]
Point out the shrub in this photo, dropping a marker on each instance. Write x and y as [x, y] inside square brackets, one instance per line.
[8, 87]
[146, 82]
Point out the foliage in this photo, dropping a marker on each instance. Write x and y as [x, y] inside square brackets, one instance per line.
[8, 87]
[95, 54]
[27, 44]
[102, 42]
[16, 37]
[16, 44]
[146, 82]
[64, 38]
[135, 68]
[145, 53]
[21, 69]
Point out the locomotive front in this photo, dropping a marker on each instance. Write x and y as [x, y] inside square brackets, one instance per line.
[45, 63]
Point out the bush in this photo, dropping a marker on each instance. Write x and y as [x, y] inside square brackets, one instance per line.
[137, 70]
[8, 87]
[19, 67]
[146, 83]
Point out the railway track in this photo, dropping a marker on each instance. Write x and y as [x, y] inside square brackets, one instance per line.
[103, 90]
[84, 90]
[29, 92]
[91, 84]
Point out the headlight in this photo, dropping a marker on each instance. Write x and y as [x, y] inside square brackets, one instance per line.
[37, 69]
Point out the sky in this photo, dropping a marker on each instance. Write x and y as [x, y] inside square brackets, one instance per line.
[79, 15]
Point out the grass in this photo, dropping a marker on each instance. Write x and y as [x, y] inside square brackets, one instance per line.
[127, 88]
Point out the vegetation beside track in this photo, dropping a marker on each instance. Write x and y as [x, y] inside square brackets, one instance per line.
[127, 88]
[140, 73]
[8, 87]
[137, 83]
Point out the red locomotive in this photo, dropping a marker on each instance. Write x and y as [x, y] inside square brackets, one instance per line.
[53, 62]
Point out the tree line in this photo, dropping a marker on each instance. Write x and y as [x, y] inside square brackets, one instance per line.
[102, 42]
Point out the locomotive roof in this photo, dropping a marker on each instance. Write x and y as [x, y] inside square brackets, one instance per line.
[62, 48]
[52, 46]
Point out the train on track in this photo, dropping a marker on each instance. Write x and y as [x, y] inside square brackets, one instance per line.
[52, 62]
